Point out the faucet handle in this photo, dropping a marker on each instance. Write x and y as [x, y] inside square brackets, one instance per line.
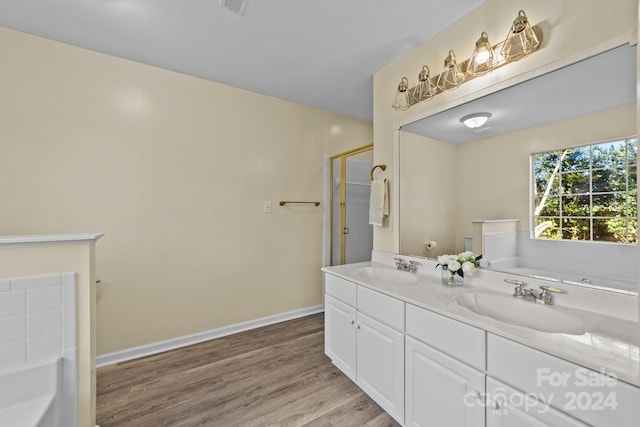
[545, 296]
[518, 291]
[413, 266]
[552, 289]
[400, 263]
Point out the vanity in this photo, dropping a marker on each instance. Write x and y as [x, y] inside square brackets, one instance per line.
[474, 355]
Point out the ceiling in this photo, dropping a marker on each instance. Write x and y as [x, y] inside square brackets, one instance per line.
[598, 83]
[321, 53]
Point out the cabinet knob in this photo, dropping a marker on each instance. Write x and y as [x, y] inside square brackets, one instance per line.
[353, 321]
[358, 327]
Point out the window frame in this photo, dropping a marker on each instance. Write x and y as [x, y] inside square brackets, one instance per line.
[560, 196]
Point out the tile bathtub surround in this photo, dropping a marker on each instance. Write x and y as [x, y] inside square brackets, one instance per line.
[587, 258]
[38, 324]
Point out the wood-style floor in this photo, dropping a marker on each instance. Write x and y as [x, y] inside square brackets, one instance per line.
[277, 375]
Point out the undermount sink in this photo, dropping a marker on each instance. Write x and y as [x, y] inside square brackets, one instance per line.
[386, 274]
[515, 311]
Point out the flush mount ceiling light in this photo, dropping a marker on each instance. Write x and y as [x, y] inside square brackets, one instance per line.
[235, 6]
[475, 120]
[521, 41]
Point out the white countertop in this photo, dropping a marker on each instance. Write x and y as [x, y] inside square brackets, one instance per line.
[611, 343]
[49, 238]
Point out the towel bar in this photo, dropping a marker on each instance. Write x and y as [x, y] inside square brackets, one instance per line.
[283, 202]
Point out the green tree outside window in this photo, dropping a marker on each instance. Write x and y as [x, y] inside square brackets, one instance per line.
[587, 193]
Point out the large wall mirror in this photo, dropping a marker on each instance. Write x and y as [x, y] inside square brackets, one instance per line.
[458, 182]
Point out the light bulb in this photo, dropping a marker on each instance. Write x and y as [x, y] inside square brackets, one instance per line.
[483, 58]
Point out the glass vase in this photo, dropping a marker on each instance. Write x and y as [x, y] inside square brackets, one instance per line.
[451, 278]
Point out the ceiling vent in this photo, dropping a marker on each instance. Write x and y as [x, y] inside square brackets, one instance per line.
[235, 6]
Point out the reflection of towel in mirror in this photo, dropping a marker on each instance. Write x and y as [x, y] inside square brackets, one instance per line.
[379, 202]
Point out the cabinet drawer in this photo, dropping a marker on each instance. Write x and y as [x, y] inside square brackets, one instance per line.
[462, 341]
[386, 309]
[578, 391]
[341, 289]
[507, 406]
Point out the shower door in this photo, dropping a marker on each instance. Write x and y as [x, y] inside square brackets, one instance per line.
[351, 234]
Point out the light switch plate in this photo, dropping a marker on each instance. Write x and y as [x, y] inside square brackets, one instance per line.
[267, 207]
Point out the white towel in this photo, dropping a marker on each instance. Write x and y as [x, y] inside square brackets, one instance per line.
[379, 202]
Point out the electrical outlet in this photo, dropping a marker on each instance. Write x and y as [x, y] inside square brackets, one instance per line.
[267, 207]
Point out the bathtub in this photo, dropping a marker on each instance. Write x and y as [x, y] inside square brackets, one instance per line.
[31, 396]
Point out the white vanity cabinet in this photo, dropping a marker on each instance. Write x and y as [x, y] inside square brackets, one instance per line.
[428, 369]
[364, 337]
[440, 389]
[590, 396]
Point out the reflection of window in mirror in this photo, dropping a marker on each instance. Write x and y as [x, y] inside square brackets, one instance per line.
[587, 193]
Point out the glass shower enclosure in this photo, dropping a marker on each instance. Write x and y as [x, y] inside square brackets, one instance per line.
[351, 237]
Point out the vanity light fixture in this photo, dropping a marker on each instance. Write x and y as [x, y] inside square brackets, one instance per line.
[402, 101]
[451, 77]
[424, 89]
[521, 41]
[483, 58]
[475, 120]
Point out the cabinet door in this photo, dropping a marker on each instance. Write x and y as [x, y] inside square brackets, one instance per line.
[441, 391]
[380, 370]
[508, 407]
[340, 335]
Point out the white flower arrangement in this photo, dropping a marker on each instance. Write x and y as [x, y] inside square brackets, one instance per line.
[464, 262]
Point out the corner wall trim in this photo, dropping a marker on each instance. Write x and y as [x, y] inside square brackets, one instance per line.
[186, 340]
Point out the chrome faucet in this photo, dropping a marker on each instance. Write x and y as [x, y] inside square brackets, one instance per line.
[411, 266]
[519, 290]
[543, 296]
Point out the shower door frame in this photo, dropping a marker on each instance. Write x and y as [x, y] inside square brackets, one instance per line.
[343, 201]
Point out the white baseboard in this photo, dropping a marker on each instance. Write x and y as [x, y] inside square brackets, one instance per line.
[185, 340]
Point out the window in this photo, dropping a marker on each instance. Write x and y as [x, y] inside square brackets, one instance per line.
[587, 193]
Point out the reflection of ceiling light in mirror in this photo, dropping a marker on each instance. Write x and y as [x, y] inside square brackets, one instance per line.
[235, 6]
[475, 120]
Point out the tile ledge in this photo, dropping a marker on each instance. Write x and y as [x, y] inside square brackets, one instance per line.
[49, 238]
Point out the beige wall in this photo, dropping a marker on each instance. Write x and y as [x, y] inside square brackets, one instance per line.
[491, 179]
[573, 29]
[427, 194]
[174, 170]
